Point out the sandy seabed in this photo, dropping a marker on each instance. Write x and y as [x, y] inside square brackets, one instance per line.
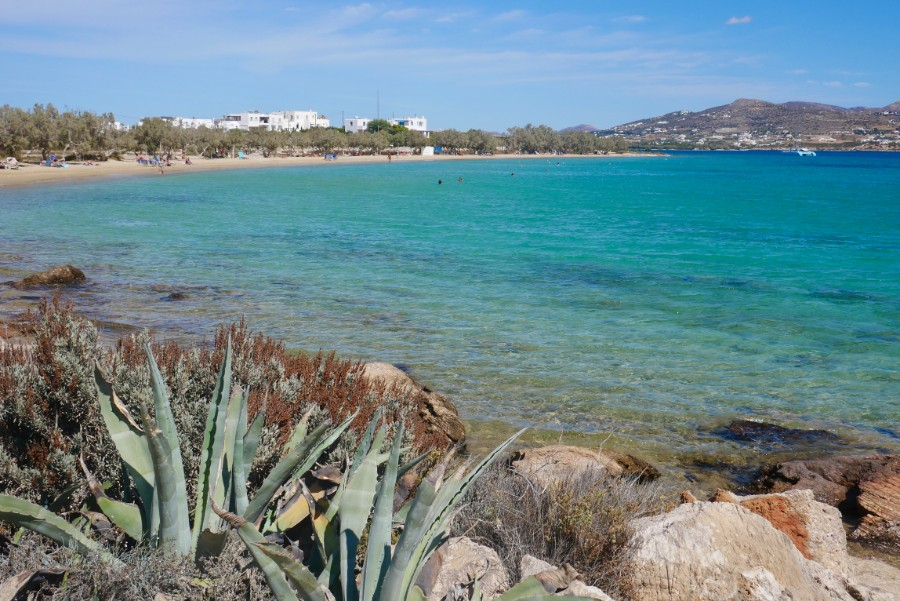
[30, 175]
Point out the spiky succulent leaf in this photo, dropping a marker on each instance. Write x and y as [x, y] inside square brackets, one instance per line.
[239, 473]
[174, 522]
[209, 458]
[229, 448]
[378, 550]
[251, 438]
[126, 516]
[298, 461]
[26, 514]
[356, 504]
[250, 536]
[133, 447]
[426, 522]
[531, 589]
[305, 583]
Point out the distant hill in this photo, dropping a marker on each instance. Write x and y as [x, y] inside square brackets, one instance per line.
[582, 127]
[757, 123]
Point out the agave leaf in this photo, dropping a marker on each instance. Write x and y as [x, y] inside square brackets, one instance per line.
[26, 514]
[251, 438]
[427, 520]
[174, 523]
[241, 466]
[165, 421]
[365, 442]
[124, 515]
[250, 536]
[131, 443]
[531, 589]
[209, 460]
[299, 507]
[401, 471]
[356, 503]
[300, 431]
[234, 447]
[416, 594]
[306, 584]
[378, 550]
[298, 461]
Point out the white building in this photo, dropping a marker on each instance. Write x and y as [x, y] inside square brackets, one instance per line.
[355, 125]
[358, 124]
[193, 122]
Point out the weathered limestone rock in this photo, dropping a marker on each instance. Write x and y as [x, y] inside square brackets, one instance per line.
[56, 276]
[723, 496]
[545, 465]
[456, 565]
[529, 566]
[579, 589]
[860, 486]
[814, 528]
[438, 412]
[711, 551]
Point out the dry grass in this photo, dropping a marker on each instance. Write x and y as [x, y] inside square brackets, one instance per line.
[583, 522]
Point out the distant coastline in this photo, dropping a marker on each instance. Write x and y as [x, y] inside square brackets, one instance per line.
[36, 175]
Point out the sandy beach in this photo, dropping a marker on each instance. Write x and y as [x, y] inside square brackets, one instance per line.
[31, 175]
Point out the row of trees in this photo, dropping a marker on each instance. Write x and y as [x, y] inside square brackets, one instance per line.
[46, 130]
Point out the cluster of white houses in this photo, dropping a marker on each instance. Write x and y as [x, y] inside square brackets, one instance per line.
[290, 121]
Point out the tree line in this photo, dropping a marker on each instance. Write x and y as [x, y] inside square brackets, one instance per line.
[84, 135]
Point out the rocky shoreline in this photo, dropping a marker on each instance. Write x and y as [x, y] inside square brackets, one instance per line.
[789, 539]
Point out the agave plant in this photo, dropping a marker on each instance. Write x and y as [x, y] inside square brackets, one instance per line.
[150, 453]
[149, 450]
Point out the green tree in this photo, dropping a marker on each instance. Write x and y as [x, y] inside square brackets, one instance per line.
[376, 125]
[44, 128]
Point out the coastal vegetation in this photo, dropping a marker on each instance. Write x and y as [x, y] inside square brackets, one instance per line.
[110, 440]
[44, 130]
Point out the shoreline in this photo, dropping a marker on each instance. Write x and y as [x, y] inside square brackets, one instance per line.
[29, 175]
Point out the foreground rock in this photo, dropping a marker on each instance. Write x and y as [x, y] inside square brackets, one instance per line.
[864, 488]
[62, 275]
[759, 559]
[560, 463]
[451, 571]
[711, 551]
[560, 581]
[438, 413]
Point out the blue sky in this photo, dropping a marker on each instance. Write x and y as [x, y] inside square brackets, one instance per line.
[462, 64]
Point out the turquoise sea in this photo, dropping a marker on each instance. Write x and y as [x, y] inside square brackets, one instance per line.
[649, 299]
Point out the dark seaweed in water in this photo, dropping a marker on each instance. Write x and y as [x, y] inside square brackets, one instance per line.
[772, 435]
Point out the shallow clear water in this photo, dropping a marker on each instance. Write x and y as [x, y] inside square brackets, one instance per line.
[651, 297]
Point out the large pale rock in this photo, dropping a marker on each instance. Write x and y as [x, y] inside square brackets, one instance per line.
[815, 528]
[456, 565]
[55, 276]
[546, 465]
[713, 551]
[437, 412]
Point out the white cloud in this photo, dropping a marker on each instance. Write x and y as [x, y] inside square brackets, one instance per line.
[862, 84]
[403, 14]
[832, 84]
[510, 15]
[630, 19]
[738, 20]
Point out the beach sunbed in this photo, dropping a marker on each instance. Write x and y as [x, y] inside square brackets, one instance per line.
[241, 154]
[11, 163]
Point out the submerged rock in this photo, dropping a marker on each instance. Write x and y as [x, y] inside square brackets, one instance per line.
[61, 275]
[762, 433]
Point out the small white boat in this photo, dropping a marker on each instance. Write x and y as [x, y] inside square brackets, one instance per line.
[805, 152]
